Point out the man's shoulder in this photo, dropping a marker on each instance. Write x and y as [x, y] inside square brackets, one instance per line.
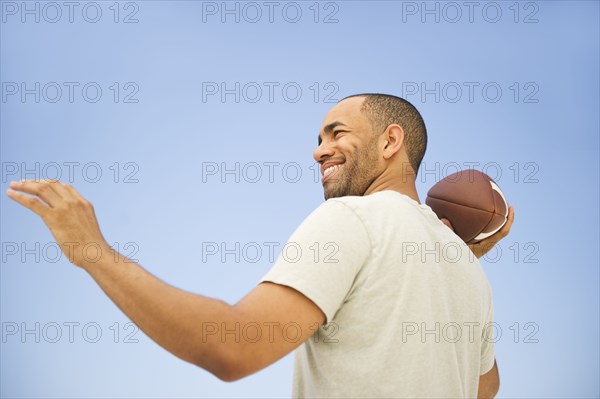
[375, 200]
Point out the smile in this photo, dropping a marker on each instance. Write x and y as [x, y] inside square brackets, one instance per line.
[330, 171]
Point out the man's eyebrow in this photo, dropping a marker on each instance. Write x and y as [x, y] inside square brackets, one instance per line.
[328, 128]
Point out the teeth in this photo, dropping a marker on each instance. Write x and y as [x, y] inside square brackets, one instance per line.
[330, 169]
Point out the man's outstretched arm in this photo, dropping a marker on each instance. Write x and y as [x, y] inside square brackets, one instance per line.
[229, 341]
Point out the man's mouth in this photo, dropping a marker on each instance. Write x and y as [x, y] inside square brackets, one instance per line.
[330, 171]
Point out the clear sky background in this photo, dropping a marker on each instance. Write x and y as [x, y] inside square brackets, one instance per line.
[190, 123]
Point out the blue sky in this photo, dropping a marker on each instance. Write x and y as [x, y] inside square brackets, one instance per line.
[189, 123]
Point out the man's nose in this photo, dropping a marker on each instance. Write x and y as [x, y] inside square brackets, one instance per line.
[322, 152]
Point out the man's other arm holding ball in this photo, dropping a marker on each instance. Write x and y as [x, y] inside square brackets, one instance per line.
[489, 383]
[482, 247]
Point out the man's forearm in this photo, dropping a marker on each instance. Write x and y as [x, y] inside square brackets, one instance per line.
[171, 317]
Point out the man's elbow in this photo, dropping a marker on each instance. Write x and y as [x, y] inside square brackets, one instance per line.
[489, 384]
[230, 374]
[491, 390]
[225, 366]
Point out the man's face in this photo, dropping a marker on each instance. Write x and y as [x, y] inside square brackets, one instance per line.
[348, 142]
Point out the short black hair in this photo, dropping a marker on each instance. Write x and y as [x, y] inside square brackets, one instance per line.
[383, 110]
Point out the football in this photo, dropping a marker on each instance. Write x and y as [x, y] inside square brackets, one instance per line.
[472, 202]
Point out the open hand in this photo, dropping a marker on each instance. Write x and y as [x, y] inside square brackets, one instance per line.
[68, 215]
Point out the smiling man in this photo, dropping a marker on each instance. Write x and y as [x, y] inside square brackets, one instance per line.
[370, 302]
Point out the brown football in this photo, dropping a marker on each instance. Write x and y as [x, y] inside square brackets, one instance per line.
[472, 202]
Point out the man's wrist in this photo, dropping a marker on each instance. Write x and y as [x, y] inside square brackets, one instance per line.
[104, 255]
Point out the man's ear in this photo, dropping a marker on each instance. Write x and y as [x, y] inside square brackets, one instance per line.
[393, 140]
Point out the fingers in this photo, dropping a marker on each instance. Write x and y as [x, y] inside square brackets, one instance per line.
[29, 202]
[70, 191]
[503, 232]
[447, 223]
[480, 248]
[48, 190]
[511, 217]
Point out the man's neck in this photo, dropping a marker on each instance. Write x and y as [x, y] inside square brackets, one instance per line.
[402, 185]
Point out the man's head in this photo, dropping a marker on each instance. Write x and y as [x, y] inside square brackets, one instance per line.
[375, 139]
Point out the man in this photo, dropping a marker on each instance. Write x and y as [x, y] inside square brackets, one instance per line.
[373, 318]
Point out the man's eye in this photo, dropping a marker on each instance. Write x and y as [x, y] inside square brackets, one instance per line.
[335, 133]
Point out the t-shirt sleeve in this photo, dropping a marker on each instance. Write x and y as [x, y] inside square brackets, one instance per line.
[323, 256]
[487, 342]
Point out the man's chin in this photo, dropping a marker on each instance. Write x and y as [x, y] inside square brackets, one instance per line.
[335, 188]
[332, 194]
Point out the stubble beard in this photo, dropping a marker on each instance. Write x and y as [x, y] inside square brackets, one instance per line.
[355, 175]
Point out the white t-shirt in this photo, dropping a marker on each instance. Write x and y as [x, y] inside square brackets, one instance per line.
[408, 305]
